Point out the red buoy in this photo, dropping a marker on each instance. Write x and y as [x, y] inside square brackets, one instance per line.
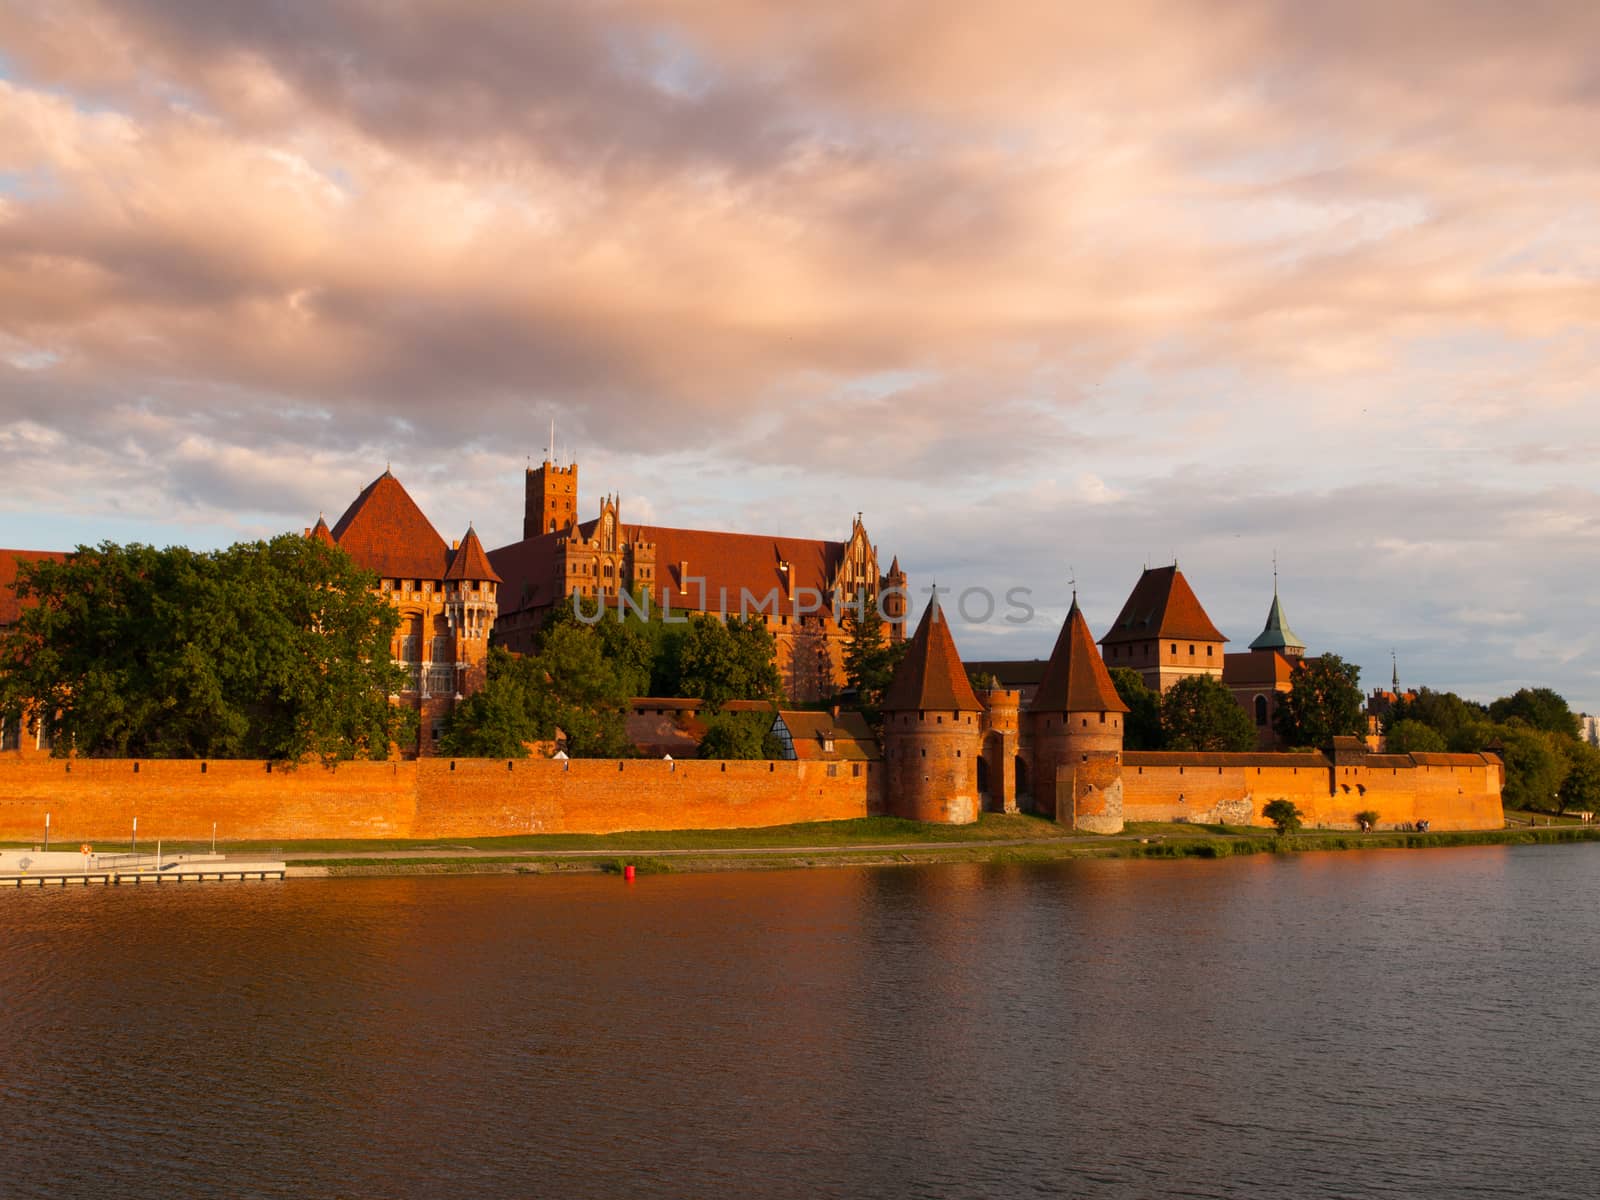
[627, 872]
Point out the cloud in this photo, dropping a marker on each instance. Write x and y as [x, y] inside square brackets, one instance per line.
[1083, 285]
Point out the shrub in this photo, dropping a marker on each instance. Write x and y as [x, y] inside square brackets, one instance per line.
[1283, 814]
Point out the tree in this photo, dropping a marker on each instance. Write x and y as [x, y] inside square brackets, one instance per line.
[275, 649]
[1323, 702]
[1463, 724]
[1141, 728]
[740, 736]
[717, 661]
[1405, 736]
[870, 658]
[1580, 791]
[1535, 767]
[578, 690]
[1367, 818]
[1542, 708]
[501, 718]
[1284, 815]
[1198, 713]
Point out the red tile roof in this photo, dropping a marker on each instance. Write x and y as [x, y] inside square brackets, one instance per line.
[1162, 605]
[727, 562]
[931, 674]
[1256, 668]
[851, 736]
[10, 606]
[1075, 679]
[468, 561]
[385, 531]
[1247, 758]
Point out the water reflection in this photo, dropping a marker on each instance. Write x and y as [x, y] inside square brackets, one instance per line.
[1350, 1024]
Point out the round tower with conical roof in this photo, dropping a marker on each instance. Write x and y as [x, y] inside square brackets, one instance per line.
[1075, 720]
[932, 730]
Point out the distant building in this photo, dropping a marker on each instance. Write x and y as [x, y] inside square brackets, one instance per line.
[831, 736]
[1163, 632]
[446, 595]
[797, 586]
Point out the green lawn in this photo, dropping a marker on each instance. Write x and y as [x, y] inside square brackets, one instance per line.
[867, 831]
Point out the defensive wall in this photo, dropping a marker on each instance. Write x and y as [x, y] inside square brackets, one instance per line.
[97, 799]
[1449, 791]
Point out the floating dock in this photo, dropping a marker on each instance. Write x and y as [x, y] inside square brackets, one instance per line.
[139, 871]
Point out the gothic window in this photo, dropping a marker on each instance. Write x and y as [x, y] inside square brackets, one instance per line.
[10, 738]
[411, 648]
[1261, 710]
[441, 651]
[441, 680]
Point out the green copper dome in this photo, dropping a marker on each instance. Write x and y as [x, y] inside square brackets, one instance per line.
[1277, 635]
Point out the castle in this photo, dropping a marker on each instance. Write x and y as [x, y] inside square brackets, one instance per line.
[951, 752]
[799, 587]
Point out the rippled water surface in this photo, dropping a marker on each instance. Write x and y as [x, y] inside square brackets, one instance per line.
[1359, 1024]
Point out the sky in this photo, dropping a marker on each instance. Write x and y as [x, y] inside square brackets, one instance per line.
[1047, 291]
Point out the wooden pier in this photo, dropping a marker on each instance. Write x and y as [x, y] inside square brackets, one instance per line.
[198, 872]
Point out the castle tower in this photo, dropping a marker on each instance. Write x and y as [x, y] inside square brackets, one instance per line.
[1001, 742]
[932, 735]
[892, 589]
[1076, 725]
[550, 499]
[1163, 633]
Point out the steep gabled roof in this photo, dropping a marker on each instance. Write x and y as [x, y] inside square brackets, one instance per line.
[1257, 668]
[1075, 679]
[1162, 605]
[10, 606]
[931, 675]
[1277, 635]
[384, 531]
[468, 561]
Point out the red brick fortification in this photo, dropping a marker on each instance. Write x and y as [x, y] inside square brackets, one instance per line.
[932, 729]
[96, 800]
[1449, 791]
[932, 761]
[1075, 723]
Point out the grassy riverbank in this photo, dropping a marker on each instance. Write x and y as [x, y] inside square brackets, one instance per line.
[874, 841]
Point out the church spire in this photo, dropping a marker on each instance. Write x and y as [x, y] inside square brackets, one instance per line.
[1277, 635]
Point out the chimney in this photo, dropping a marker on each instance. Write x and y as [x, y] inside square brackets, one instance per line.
[683, 575]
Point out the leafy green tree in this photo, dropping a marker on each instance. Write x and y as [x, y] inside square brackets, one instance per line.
[717, 660]
[1580, 790]
[1541, 708]
[1463, 724]
[1198, 713]
[870, 658]
[1141, 728]
[581, 692]
[275, 649]
[1323, 702]
[1405, 736]
[740, 735]
[499, 719]
[1284, 815]
[1367, 817]
[1535, 767]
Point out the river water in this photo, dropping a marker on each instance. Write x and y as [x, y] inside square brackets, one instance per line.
[1409, 1024]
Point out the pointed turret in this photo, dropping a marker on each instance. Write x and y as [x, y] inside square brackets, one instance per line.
[1277, 635]
[1075, 679]
[470, 562]
[1076, 721]
[932, 731]
[931, 675]
[385, 532]
[320, 531]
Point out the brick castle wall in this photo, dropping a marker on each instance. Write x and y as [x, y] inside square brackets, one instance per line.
[1448, 797]
[91, 800]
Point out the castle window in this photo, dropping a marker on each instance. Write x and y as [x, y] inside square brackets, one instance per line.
[1209, 650]
[939, 720]
[1191, 647]
[1175, 647]
[1102, 718]
[1261, 710]
[924, 753]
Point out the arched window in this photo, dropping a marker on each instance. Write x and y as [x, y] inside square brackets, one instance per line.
[1261, 710]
